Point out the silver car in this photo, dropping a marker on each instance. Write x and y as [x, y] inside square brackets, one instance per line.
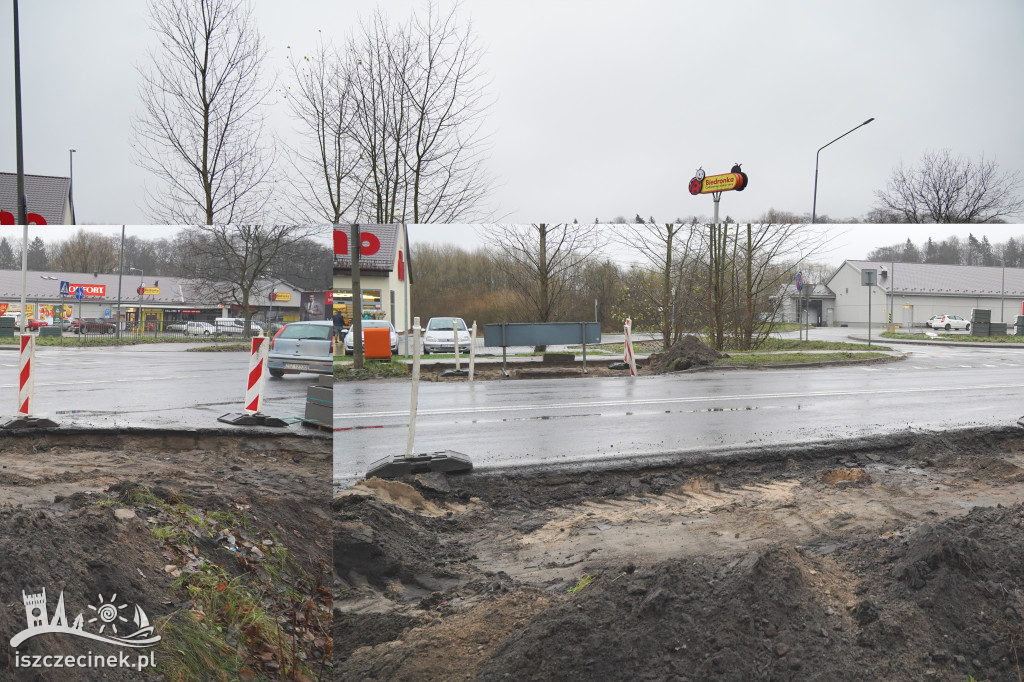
[439, 336]
[350, 338]
[302, 347]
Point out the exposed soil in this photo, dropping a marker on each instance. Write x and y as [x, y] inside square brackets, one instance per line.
[897, 558]
[168, 521]
[686, 353]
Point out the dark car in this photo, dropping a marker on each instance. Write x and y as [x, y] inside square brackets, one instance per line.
[92, 325]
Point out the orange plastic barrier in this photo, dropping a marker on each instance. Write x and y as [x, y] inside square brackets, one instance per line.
[377, 343]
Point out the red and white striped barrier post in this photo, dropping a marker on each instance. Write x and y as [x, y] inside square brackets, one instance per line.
[26, 389]
[26, 382]
[257, 375]
[629, 359]
[256, 380]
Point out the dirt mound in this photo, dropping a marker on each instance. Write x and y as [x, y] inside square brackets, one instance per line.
[686, 353]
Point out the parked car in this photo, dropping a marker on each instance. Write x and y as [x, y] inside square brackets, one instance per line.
[36, 324]
[932, 319]
[948, 322]
[350, 338]
[235, 326]
[302, 347]
[92, 325]
[199, 329]
[439, 335]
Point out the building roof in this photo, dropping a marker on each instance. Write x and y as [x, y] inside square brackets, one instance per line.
[818, 291]
[45, 286]
[945, 280]
[383, 257]
[45, 195]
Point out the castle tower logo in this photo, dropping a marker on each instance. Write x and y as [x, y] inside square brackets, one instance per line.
[106, 621]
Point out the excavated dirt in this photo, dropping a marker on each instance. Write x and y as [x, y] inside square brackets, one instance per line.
[150, 516]
[686, 353]
[897, 558]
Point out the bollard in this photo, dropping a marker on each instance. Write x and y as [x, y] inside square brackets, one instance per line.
[408, 464]
[472, 350]
[257, 379]
[629, 359]
[26, 389]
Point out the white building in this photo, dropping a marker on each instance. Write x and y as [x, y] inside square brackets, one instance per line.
[913, 292]
[385, 273]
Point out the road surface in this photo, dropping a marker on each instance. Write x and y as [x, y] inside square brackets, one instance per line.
[503, 424]
[160, 385]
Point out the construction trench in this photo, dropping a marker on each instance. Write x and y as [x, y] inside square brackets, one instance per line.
[895, 557]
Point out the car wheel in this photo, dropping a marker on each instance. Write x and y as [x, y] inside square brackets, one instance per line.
[948, 326]
[110, 330]
[206, 333]
[276, 373]
[968, 327]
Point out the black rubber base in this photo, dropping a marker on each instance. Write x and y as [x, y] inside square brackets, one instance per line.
[447, 462]
[28, 423]
[246, 419]
[454, 373]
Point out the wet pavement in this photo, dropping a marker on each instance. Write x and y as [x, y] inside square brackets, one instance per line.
[153, 386]
[503, 424]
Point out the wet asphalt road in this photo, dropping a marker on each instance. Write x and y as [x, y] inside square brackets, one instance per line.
[520, 423]
[159, 386]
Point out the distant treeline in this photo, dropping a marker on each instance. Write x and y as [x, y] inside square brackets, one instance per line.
[955, 251]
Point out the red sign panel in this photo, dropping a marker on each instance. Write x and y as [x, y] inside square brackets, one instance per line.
[7, 218]
[89, 289]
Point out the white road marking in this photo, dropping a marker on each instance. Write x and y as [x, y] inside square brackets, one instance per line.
[669, 401]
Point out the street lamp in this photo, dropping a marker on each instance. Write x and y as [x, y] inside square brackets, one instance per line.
[814, 206]
[142, 284]
[71, 182]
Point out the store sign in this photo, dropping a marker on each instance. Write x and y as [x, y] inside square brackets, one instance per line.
[719, 183]
[7, 218]
[148, 291]
[282, 297]
[89, 289]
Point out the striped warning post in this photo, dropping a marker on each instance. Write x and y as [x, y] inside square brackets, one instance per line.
[26, 382]
[629, 359]
[257, 375]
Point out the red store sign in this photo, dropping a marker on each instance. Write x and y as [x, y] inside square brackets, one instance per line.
[88, 289]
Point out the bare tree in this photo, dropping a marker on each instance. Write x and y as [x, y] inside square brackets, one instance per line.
[85, 252]
[230, 262]
[946, 188]
[665, 249]
[539, 261]
[328, 178]
[419, 98]
[201, 129]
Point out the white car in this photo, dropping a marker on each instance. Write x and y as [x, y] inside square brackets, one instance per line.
[439, 336]
[199, 329]
[350, 338]
[949, 322]
[235, 325]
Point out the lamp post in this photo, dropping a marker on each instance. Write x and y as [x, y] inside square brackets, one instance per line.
[814, 206]
[142, 285]
[71, 182]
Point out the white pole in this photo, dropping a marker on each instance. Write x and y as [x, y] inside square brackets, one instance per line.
[455, 342]
[472, 350]
[630, 360]
[415, 386]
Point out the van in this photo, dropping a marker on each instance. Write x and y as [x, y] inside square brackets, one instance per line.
[235, 326]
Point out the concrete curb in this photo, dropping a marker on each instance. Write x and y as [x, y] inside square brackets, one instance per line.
[922, 342]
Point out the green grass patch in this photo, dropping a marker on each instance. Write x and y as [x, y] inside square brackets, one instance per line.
[773, 343]
[768, 359]
[581, 583]
[372, 369]
[221, 348]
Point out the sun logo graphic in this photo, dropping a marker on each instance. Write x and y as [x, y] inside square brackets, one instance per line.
[133, 632]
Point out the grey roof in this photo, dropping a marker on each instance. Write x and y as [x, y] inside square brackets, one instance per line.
[381, 261]
[818, 291]
[172, 289]
[945, 280]
[45, 195]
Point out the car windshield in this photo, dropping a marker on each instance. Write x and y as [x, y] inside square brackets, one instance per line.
[375, 323]
[445, 324]
[306, 331]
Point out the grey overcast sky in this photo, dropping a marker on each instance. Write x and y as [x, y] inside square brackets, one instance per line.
[600, 108]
